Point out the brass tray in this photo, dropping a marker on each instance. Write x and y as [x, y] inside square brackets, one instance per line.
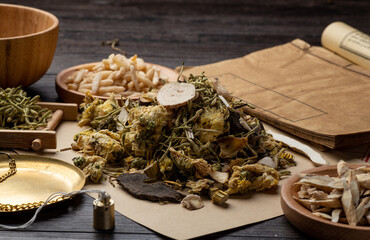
[36, 179]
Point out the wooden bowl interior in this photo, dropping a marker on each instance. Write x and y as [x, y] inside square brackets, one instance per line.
[304, 220]
[18, 21]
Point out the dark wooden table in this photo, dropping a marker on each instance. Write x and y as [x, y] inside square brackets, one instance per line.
[170, 33]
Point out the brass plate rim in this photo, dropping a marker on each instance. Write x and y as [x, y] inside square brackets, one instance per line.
[43, 166]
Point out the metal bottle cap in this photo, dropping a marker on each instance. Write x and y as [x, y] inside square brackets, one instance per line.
[103, 213]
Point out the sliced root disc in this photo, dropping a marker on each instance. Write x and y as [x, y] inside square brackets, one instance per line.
[173, 95]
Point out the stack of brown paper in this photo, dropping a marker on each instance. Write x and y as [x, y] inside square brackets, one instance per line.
[305, 90]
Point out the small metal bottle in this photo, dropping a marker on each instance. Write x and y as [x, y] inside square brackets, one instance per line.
[103, 212]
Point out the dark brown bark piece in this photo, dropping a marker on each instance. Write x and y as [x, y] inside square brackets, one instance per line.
[134, 183]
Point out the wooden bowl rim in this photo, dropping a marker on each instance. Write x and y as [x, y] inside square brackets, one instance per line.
[304, 212]
[51, 28]
[62, 75]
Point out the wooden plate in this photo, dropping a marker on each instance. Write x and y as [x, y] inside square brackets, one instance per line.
[72, 96]
[310, 224]
[37, 178]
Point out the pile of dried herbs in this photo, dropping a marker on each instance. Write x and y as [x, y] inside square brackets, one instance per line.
[18, 111]
[205, 142]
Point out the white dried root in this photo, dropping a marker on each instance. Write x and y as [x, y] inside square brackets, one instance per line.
[342, 169]
[192, 202]
[345, 199]
[267, 161]
[364, 180]
[367, 216]
[335, 215]
[363, 206]
[324, 183]
[221, 177]
[126, 77]
[173, 95]
[348, 206]
[322, 215]
[330, 203]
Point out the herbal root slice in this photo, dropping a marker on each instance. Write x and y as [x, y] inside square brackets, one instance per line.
[329, 203]
[325, 210]
[221, 177]
[319, 195]
[342, 169]
[325, 183]
[364, 180]
[303, 191]
[335, 194]
[322, 215]
[219, 197]
[335, 214]
[267, 161]
[354, 187]
[192, 202]
[173, 95]
[363, 207]
[348, 206]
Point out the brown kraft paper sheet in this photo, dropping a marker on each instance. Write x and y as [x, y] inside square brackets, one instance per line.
[174, 221]
[305, 90]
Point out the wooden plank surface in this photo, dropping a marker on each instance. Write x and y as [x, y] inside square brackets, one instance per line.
[170, 33]
[70, 110]
[42, 138]
[25, 138]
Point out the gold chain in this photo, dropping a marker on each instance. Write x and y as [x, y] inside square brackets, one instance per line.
[12, 168]
[26, 206]
[19, 207]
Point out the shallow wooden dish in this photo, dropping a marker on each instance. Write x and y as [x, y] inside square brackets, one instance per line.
[28, 39]
[310, 224]
[71, 96]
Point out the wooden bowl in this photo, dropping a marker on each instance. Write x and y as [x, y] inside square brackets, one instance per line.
[28, 38]
[72, 96]
[314, 226]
